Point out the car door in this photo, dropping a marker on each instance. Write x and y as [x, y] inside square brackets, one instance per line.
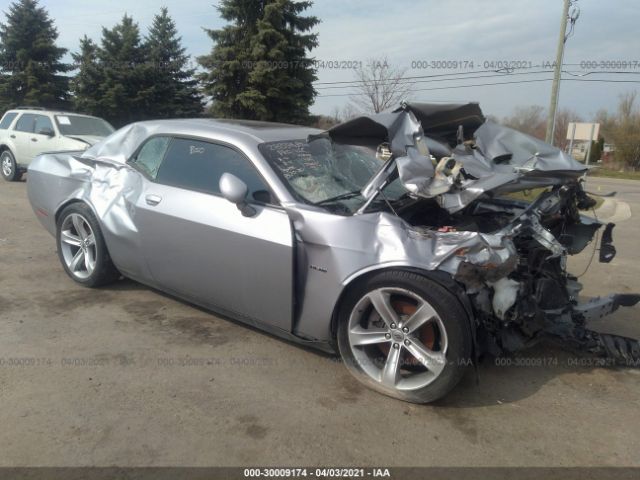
[40, 141]
[198, 245]
[21, 136]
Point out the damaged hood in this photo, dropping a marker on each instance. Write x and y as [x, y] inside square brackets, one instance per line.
[88, 139]
[452, 153]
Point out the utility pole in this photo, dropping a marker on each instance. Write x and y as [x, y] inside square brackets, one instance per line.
[555, 88]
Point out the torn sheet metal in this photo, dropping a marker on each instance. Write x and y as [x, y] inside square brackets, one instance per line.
[503, 145]
[442, 122]
[497, 158]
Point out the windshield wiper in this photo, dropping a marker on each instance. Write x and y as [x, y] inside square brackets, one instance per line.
[342, 196]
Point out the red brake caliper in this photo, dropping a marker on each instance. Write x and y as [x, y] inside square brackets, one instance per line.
[426, 333]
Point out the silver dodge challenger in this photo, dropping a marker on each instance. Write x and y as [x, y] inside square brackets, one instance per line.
[389, 239]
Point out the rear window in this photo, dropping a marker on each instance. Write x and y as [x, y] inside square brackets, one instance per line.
[7, 119]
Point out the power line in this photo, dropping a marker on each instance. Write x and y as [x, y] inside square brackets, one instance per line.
[404, 81]
[496, 83]
[506, 71]
[450, 87]
[599, 80]
[418, 79]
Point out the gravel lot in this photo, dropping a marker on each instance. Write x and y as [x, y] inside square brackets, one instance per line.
[128, 376]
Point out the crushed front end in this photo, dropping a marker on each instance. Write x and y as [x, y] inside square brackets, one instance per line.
[459, 171]
[533, 297]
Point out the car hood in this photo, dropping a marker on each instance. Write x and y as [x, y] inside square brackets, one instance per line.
[452, 153]
[88, 139]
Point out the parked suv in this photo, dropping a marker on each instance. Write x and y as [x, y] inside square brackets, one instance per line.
[27, 131]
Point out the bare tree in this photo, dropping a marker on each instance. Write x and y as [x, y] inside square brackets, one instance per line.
[348, 112]
[531, 120]
[563, 118]
[623, 130]
[380, 86]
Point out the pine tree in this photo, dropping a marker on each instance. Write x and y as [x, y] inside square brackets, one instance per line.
[258, 68]
[86, 83]
[226, 65]
[30, 60]
[174, 92]
[125, 92]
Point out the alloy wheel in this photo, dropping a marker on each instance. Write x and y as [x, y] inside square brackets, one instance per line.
[397, 338]
[7, 165]
[78, 246]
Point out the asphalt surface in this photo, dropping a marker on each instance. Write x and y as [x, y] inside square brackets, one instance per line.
[127, 376]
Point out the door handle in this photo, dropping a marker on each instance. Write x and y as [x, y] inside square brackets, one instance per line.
[34, 139]
[12, 136]
[153, 200]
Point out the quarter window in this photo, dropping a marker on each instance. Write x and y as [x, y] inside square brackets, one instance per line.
[7, 119]
[151, 154]
[197, 165]
[25, 123]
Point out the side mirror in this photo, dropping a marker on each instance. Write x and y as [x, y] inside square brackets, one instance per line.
[235, 190]
[46, 131]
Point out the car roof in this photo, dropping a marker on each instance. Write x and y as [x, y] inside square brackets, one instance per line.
[258, 130]
[245, 134]
[42, 111]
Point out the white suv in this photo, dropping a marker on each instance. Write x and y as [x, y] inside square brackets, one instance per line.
[27, 131]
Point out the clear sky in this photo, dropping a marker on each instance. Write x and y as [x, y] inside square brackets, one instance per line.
[408, 31]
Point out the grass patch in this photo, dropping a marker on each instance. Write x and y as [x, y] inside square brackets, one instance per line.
[604, 172]
[530, 195]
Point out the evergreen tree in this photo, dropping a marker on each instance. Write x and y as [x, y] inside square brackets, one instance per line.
[30, 60]
[258, 68]
[125, 92]
[86, 83]
[174, 92]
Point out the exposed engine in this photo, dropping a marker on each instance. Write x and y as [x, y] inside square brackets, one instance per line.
[534, 297]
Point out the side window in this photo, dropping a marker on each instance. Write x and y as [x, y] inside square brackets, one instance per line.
[197, 165]
[41, 123]
[151, 154]
[7, 119]
[25, 123]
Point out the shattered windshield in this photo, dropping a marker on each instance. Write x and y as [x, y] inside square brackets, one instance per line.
[78, 125]
[323, 172]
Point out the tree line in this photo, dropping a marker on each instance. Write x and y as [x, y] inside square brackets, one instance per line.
[258, 67]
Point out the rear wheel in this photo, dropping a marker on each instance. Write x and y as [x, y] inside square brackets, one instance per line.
[405, 336]
[81, 247]
[8, 167]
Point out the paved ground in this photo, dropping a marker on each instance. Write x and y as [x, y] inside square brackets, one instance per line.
[127, 376]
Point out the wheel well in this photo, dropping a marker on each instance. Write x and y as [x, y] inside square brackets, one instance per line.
[4, 147]
[66, 204]
[442, 278]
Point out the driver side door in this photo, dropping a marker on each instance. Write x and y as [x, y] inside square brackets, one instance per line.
[198, 245]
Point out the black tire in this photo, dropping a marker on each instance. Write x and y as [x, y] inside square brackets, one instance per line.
[8, 167]
[103, 272]
[452, 316]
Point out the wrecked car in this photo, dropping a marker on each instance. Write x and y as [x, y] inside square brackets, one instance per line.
[387, 239]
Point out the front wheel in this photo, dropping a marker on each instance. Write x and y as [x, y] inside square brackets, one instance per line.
[405, 336]
[82, 249]
[9, 167]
